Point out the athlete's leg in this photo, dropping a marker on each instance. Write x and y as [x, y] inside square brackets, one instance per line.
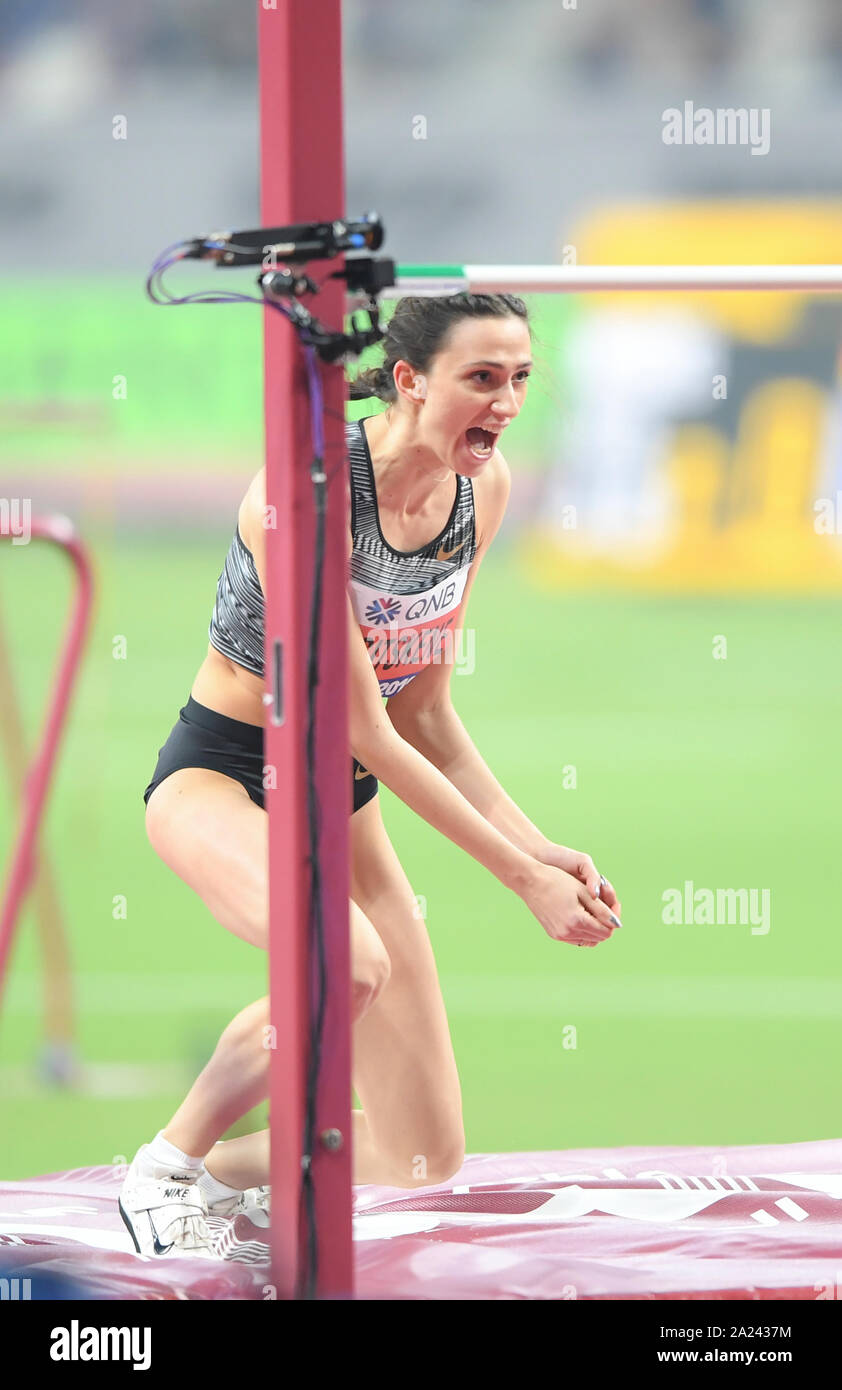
[241, 1162]
[404, 1070]
[206, 829]
[235, 1080]
[237, 1076]
[205, 826]
[244, 1162]
[409, 1132]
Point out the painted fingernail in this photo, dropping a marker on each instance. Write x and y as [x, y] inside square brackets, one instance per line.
[616, 920]
[602, 878]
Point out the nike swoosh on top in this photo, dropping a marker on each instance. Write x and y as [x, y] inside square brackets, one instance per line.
[360, 773]
[442, 554]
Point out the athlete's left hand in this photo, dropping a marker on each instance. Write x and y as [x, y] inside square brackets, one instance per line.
[581, 866]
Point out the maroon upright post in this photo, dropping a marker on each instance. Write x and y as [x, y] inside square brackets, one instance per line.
[302, 173]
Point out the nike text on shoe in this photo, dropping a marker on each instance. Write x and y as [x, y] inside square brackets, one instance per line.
[164, 1212]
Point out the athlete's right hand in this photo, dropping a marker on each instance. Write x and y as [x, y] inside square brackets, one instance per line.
[565, 908]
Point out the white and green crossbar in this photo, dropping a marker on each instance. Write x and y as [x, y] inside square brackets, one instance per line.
[575, 279]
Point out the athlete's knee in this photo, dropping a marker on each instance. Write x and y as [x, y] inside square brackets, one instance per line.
[370, 978]
[426, 1169]
[447, 1164]
[443, 1162]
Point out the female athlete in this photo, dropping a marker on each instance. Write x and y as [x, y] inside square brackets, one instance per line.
[454, 378]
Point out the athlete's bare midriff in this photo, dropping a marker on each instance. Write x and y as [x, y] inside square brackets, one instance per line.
[228, 688]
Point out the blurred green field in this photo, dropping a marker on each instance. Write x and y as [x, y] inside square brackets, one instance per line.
[725, 773]
[118, 382]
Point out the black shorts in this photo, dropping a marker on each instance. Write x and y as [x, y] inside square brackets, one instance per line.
[204, 738]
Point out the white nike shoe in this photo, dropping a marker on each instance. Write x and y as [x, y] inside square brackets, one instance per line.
[257, 1201]
[246, 1237]
[253, 1197]
[163, 1209]
[224, 1208]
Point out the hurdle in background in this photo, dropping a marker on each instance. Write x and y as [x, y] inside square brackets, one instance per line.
[28, 868]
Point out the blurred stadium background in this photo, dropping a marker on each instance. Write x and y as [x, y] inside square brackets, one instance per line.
[669, 471]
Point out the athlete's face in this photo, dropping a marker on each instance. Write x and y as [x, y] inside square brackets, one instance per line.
[477, 382]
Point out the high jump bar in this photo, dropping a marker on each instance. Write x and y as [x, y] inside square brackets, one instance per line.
[573, 279]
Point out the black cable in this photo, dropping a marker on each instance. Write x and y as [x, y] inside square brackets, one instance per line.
[308, 1277]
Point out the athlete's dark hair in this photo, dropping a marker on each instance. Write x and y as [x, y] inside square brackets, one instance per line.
[417, 330]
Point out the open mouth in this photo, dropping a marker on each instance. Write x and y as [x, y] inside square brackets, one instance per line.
[480, 442]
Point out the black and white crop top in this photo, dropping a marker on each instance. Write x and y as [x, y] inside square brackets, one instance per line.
[404, 601]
